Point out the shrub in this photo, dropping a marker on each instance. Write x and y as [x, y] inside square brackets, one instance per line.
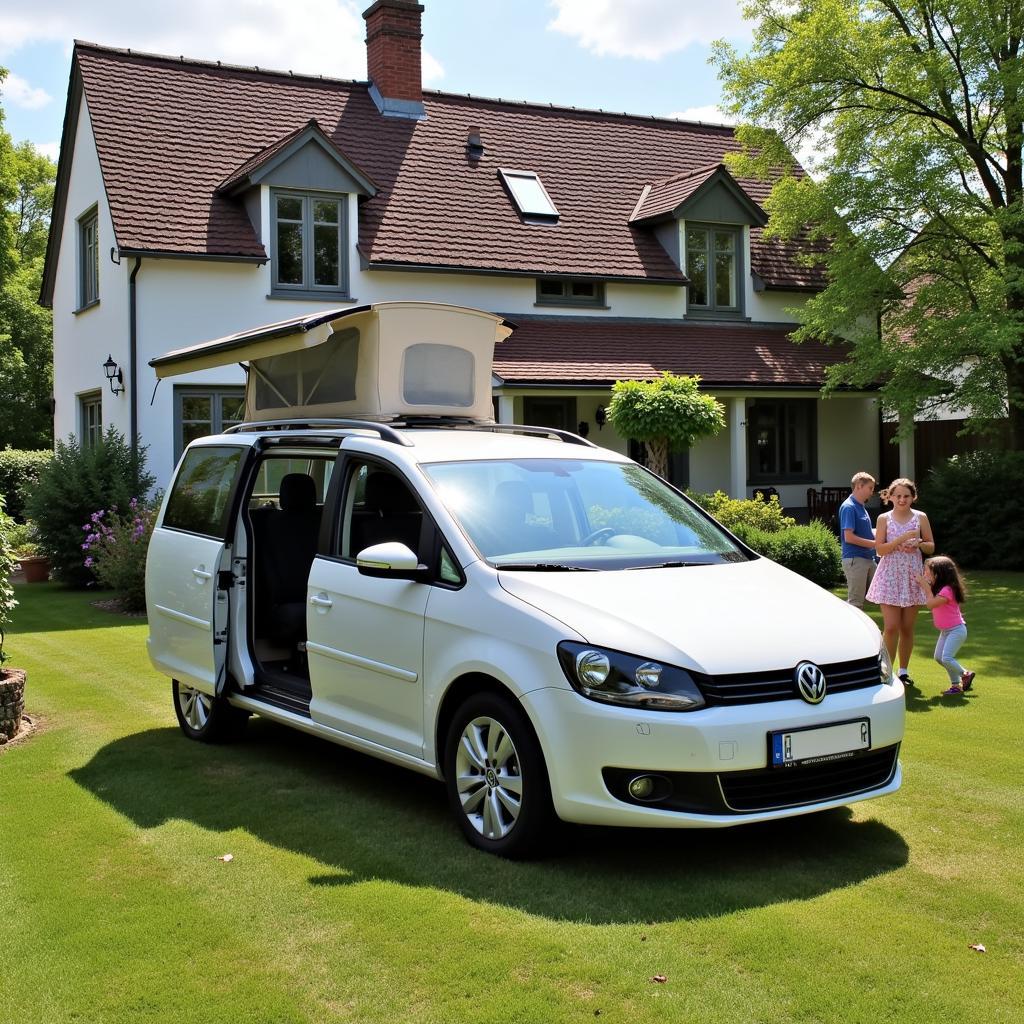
[976, 506]
[812, 551]
[19, 472]
[115, 548]
[762, 515]
[75, 483]
[7, 602]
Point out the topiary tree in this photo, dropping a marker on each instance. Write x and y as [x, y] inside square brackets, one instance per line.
[667, 414]
[76, 483]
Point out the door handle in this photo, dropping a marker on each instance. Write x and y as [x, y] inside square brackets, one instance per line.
[201, 574]
[321, 601]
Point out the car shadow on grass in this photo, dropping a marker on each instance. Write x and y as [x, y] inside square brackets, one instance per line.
[364, 819]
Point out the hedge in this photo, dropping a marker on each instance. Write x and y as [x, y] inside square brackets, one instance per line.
[811, 551]
[19, 473]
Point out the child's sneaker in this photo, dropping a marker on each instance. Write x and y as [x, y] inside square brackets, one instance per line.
[967, 681]
[953, 691]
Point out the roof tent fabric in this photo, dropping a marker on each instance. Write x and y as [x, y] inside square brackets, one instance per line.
[386, 361]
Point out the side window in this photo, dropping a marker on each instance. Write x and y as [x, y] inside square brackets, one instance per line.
[200, 499]
[378, 507]
[88, 259]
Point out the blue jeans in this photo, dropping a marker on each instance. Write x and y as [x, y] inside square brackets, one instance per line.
[945, 651]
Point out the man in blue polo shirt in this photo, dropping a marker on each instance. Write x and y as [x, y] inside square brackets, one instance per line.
[858, 538]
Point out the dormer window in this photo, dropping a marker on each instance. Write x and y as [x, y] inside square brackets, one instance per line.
[528, 193]
[712, 265]
[308, 244]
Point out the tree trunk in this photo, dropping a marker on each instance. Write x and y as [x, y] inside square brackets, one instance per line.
[657, 457]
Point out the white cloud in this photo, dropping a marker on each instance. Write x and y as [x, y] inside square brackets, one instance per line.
[313, 36]
[50, 149]
[20, 93]
[647, 29]
[432, 69]
[709, 115]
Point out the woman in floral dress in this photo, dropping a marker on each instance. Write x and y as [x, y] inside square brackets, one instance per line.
[902, 536]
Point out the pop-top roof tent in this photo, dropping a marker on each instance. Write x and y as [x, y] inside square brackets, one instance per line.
[391, 360]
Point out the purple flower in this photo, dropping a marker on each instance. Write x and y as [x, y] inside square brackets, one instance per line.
[89, 563]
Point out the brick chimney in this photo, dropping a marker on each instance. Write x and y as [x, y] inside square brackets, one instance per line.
[393, 57]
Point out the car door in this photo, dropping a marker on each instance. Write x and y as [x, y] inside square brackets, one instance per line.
[364, 633]
[187, 609]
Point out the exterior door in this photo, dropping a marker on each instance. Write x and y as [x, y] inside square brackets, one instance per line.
[365, 634]
[187, 612]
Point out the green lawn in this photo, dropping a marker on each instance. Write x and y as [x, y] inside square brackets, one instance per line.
[351, 897]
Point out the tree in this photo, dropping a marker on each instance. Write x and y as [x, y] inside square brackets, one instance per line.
[26, 329]
[916, 108]
[668, 413]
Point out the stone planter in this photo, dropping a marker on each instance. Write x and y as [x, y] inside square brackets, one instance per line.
[12, 702]
[36, 568]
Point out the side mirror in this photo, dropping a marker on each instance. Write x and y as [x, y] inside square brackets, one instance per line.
[392, 560]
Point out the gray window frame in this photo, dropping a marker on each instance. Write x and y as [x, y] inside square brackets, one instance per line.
[549, 215]
[89, 433]
[711, 310]
[597, 301]
[88, 259]
[217, 392]
[784, 409]
[307, 289]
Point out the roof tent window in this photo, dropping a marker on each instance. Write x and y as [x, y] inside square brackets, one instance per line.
[311, 376]
[529, 194]
[438, 375]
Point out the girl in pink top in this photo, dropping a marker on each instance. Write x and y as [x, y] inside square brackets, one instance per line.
[945, 592]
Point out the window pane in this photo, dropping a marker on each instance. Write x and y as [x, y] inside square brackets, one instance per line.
[199, 497]
[191, 431]
[725, 279]
[325, 212]
[197, 407]
[289, 253]
[724, 241]
[552, 288]
[232, 409]
[529, 194]
[697, 272]
[798, 438]
[326, 255]
[583, 289]
[289, 208]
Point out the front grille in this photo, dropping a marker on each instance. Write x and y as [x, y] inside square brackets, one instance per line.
[766, 789]
[780, 684]
[762, 789]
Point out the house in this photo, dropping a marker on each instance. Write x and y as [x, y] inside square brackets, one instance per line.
[196, 199]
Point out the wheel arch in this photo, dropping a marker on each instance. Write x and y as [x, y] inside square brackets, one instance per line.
[467, 685]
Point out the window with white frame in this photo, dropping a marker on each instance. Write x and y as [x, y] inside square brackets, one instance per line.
[713, 259]
[201, 411]
[308, 245]
[90, 418]
[88, 259]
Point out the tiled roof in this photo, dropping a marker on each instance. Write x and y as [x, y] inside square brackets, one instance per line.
[661, 197]
[169, 131]
[264, 155]
[577, 350]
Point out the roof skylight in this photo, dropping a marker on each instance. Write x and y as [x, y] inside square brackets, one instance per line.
[531, 198]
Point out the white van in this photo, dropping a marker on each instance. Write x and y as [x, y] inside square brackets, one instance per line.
[543, 624]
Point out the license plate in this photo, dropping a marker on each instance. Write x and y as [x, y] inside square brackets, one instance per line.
[819, 743]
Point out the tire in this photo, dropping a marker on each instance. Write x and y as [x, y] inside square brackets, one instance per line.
[496, 778]
[204, 718]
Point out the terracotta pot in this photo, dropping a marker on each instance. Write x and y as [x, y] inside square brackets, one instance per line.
[36, 568]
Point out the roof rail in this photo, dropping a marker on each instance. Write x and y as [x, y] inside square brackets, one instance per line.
[383, 430]
[517, 428]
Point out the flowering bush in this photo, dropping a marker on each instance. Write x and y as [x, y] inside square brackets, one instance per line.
[7, 602]
[115, 547]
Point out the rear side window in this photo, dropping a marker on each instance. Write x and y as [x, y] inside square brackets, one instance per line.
[200, 500]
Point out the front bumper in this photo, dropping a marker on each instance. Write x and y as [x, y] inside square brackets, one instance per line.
[715, 759]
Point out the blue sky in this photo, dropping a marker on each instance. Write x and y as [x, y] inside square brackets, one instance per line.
[641, 56]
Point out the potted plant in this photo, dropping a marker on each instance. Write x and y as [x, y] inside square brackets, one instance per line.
[22, 540]
[12, 680]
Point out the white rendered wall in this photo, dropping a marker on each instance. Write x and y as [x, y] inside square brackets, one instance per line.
[82, 341]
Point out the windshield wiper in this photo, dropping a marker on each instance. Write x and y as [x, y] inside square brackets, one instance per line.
[544, 567]
[667, 565]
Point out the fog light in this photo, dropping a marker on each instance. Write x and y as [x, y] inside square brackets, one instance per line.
[642, 787]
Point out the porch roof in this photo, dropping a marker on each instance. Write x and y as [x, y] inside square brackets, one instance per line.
[592, 352]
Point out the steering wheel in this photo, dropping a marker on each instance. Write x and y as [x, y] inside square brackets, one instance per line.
[598, 535]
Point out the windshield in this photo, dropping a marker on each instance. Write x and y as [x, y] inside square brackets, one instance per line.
[576, 514]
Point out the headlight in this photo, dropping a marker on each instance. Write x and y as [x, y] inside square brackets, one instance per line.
[616, 678]
[885, 665]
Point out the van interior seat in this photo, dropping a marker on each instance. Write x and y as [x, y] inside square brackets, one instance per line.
[389, 513]
[286, 541]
